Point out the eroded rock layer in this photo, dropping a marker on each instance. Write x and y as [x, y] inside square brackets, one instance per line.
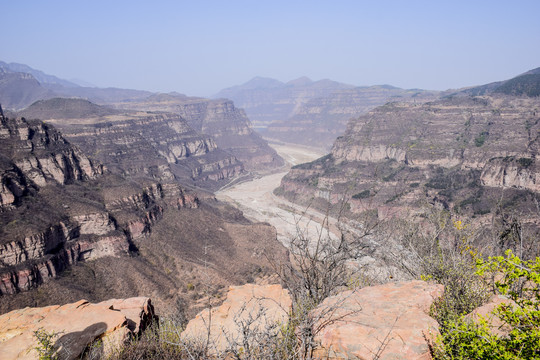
[467, 154]
[229, 126]
[117, 229]
[141, 145]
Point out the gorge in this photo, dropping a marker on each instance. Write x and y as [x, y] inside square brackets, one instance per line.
[178, 198]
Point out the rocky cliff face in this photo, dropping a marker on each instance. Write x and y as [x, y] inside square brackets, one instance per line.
[41, 238]
[141, 145]
[460, 152]
[119, 232]
[321, 120]
[35, 154]
[228, 126]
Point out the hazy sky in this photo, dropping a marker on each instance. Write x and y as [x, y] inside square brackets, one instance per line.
[198, 47]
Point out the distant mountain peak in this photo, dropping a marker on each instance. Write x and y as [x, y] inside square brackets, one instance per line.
[261, 82]
[301, 81]
[40, 76]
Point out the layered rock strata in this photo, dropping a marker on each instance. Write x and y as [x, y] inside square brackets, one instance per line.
[460, 153]
[229, 126]
[153, 146]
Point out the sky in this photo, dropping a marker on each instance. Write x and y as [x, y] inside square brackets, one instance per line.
[199, 47]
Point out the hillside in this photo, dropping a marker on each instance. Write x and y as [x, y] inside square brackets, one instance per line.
[474, 156]
[526, 84]
[72, 228]
[140, 145]
[220, 118]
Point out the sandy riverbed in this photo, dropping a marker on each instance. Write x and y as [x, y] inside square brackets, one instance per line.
[256, 200]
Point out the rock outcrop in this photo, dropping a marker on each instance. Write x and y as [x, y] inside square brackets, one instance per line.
[249, 310]
[388, 321]
[35, 154]
[76, 326]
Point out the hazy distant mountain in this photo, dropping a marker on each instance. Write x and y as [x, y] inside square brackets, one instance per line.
[319, 121]
[18, 90]
[311, 112]
[266, 100]
[21, 85]
[527, 84]
[39, 75]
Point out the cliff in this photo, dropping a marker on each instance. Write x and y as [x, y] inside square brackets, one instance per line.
[71, 228]
[229, 126]
[321, 120]
[140, 145]
[468, 154]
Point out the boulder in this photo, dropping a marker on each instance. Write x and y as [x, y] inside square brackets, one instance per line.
[487, 312]
[388, 321]
[77, 326]
[252, 309]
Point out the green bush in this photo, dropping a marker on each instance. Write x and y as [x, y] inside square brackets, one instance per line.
[520, 281]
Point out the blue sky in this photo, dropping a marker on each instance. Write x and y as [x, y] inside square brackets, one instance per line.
[200, 47]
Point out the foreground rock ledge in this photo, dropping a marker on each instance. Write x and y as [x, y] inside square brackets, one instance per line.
[248, 308]
[385, 322]
[79, 324]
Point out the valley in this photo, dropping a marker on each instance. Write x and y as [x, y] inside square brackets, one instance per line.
[256, 200]
[129, 194]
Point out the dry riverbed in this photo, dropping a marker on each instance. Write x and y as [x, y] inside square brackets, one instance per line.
[256, 199]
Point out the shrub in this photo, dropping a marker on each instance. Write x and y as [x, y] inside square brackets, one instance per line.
[362, 195]
[45, 348]
[519, 280]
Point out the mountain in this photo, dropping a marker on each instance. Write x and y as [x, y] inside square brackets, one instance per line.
[475, 156]
[527, 84]
[18, 90]
[228, 126]
[140, 145]
[266, 100]
[73, 227]
[40, 76]
[321, 120]
[21, 85]
[310, 112]
[220, 118]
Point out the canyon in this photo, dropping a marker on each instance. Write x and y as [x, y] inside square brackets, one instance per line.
[177, 198]
[312, 113]
[113, 229]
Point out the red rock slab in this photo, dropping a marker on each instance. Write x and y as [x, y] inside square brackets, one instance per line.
[77, 325]
[266, 304]
[386, 322]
